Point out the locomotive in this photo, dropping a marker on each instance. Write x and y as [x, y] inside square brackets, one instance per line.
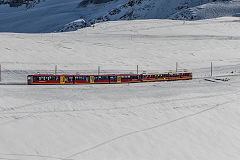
[39, 79]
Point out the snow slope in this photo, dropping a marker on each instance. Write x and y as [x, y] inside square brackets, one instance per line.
[58, 15]
[181, 120]
[122, 45]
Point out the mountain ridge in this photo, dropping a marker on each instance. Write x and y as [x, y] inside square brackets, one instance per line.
[62, 16]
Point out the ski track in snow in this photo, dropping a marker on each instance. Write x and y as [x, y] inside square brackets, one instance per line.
[144, 130]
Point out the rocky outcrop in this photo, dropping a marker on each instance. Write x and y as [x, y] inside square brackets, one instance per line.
[84, 3]
[18, 3]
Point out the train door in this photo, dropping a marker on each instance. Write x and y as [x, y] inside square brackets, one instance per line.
[68, 80]
[119, 79]
[62, 79]
[91, 79]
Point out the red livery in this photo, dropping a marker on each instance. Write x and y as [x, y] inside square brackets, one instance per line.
[108, 78]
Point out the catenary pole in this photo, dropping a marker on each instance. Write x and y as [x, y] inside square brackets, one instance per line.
[0, 73]
[55, 70]
[211, 69]
[137, 69]
[176, 66]
[98, 70]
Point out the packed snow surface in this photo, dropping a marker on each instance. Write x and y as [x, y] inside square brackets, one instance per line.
[194, 119]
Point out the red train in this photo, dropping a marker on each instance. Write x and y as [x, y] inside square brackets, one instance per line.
[107, 79]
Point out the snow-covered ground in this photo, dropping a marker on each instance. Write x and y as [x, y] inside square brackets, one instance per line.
[174, 120]
[154, 45]
[195, 119]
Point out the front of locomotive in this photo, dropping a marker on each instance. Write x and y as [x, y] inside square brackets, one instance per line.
[29, 79]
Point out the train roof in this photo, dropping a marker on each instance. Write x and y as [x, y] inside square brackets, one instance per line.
[84, 75]
[165, 73]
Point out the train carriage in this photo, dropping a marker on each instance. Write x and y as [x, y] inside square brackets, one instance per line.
[50, 79]
[171, 76]
[155, 77]
[130, 78]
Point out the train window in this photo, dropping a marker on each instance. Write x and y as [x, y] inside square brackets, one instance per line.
[102, 77]
[34, 79]
[113, 78]
[80, 78]
[70, 79]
